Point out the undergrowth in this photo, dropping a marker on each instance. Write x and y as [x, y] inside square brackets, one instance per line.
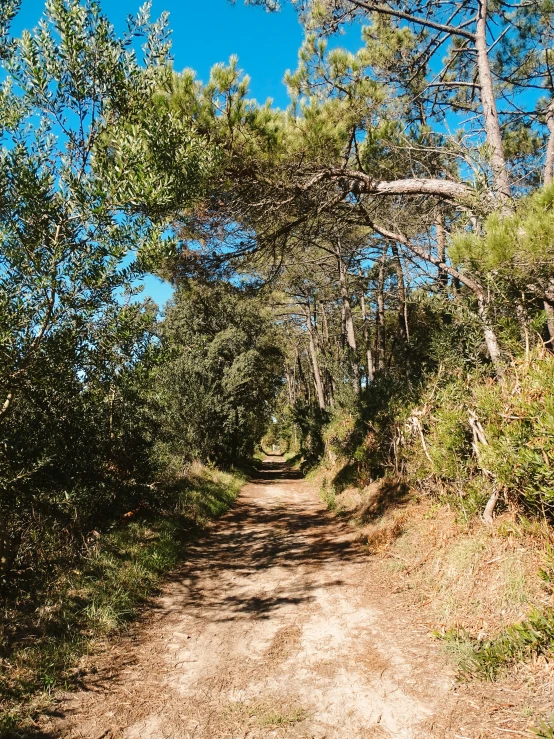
[48, 632]
[528, 639]
[458, 435]
[532, 637]
[328, 494]
[444, 558]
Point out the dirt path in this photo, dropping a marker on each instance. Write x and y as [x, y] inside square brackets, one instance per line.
[273, 628]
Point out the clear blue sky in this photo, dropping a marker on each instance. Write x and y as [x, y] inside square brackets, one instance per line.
[210, 31]
[206, 32]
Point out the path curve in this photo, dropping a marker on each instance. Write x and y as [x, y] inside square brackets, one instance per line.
[274, 627]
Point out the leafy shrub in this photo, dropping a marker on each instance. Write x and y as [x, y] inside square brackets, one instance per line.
[517, 420]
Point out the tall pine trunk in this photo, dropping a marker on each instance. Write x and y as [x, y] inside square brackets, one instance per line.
[348, 323]
[549, 159]
[490, 112]
[380, 315]
[441, 248]
[313, 355]
[401, 292]
[490, 337]
[370, 362]
[325, 346]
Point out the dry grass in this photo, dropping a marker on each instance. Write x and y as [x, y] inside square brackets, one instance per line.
[264, 713]
[468, 579]
[382, 535]
[284, 644]
[464, 577]
[378, 510]
[471, 578]
[468, 576]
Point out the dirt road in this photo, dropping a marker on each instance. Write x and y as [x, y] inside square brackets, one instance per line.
[274, 627]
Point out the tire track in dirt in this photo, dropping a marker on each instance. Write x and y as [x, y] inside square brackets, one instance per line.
[273, 628]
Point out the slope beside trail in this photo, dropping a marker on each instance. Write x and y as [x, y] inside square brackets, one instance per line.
[276, 626]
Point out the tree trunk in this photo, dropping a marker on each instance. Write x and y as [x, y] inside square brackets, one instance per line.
[549, 160]
[488, 101]
[324, 322]
[302, 377]
[294, 388]
[473, 285]
[401, 289]
[315, 363]
[6, 405]
[488, 513]
[380, 315]
[370, 368]
[441, 249]
[490, 337]
[349, 324]
[361, 182]
[290, 386]
[325, 345]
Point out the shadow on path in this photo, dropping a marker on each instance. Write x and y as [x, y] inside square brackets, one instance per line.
[265, 554]
[276, 524]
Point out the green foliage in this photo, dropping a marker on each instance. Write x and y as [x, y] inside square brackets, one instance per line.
[328, 494]
[517, 422]
[519, 419]
[90, 167]
[74, 361]
[216, 390]
[517, 246]
[388, 368]
[76, 443]
[310, 421]
[62, 233]
[545, 730]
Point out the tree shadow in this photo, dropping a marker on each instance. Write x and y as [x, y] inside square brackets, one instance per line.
[389, 492]
[33, 733]
[255, 536]
[285, 532]
[346, 476]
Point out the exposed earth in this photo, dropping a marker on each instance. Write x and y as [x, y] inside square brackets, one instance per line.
[279, 624]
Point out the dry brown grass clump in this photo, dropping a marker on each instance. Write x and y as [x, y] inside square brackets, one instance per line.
[378, 510]
[475, 578]
[466, 575]
[382, 535]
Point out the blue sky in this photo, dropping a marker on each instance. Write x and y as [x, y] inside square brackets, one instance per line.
[205, 33]
[210, 31]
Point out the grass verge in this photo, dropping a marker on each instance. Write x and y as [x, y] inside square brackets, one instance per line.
[47, 635]
[531, 638]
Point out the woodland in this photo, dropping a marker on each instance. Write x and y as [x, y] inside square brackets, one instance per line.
[365, 279]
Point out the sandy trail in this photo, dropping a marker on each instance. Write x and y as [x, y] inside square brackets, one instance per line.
[274, 627]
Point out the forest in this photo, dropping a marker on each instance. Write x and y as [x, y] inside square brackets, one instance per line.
[364, 279]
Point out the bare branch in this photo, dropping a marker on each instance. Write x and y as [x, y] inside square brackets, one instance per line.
[453, 30]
